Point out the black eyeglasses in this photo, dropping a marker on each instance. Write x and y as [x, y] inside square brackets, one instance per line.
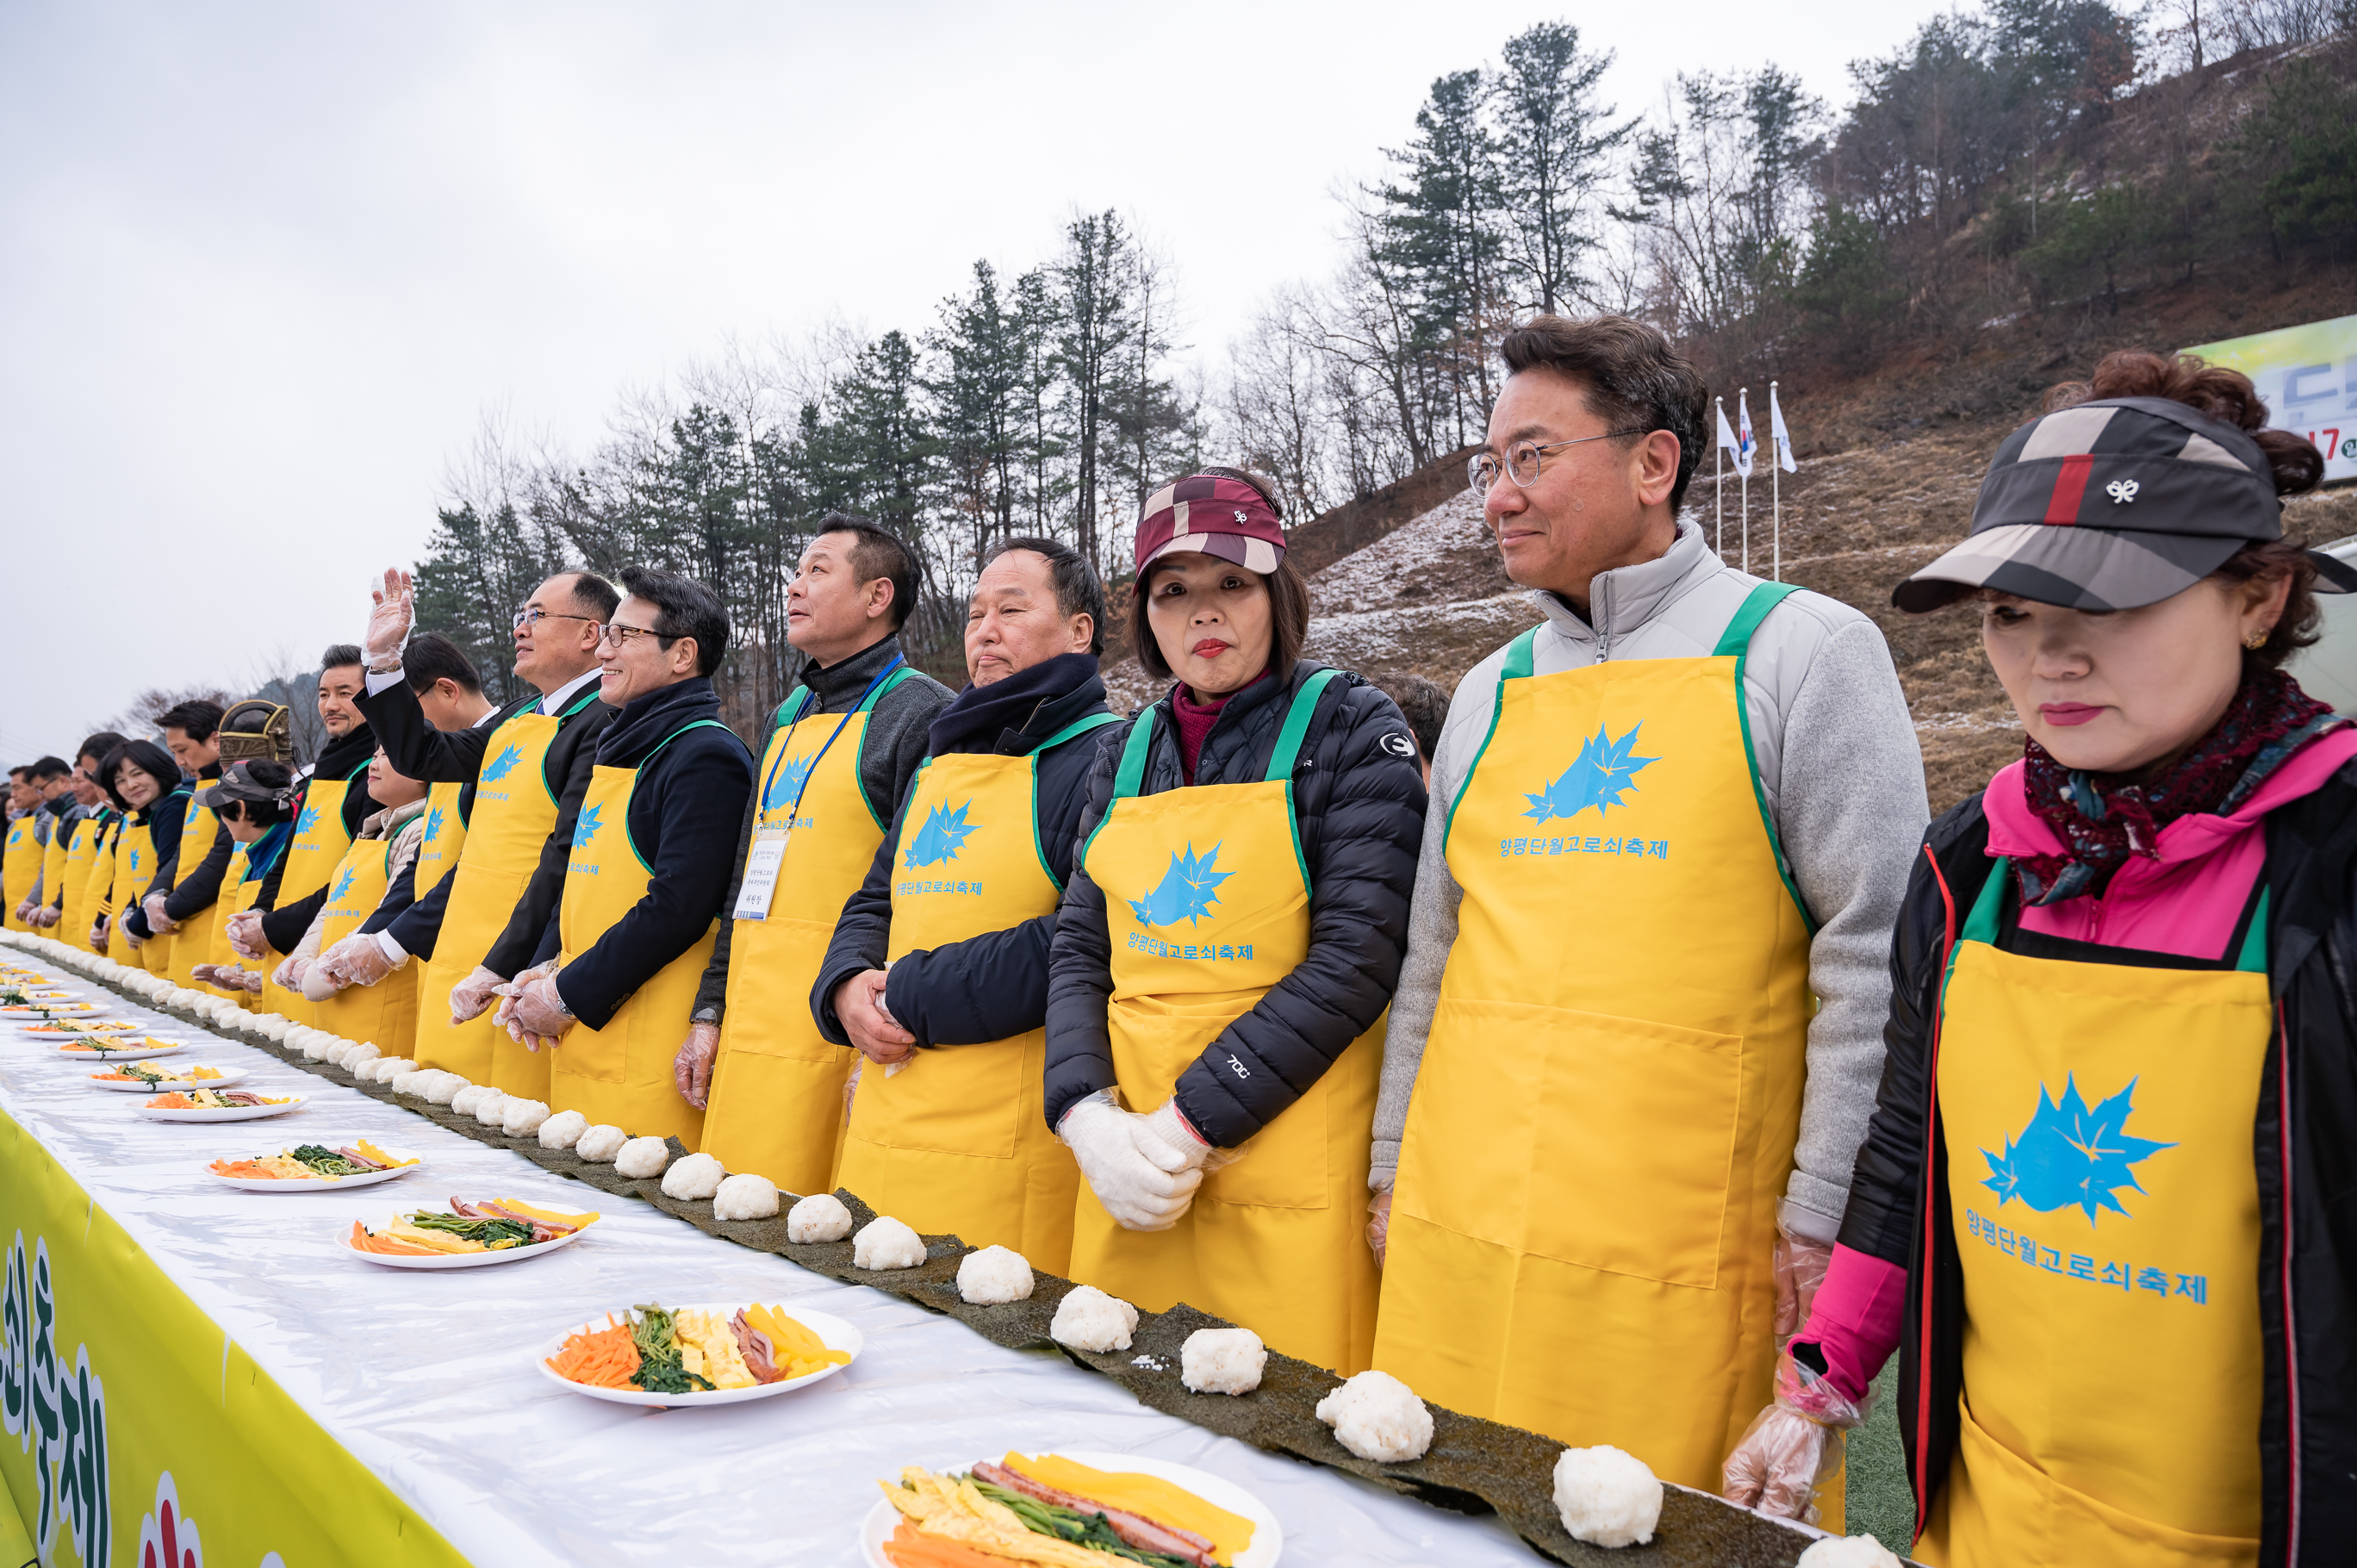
[1523, 459]
[618, 636]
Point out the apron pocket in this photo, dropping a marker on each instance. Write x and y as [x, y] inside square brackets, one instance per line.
[1602, 1142]
[961, 1100]
[1283, 1167]
[773, 965]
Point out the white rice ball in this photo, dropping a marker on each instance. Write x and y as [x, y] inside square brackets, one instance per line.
[445, 1089]
[316, 1044]
[641, 1157]
[463, 1103]
[821, 1217]
[1088, 1319]
[692, 1177]
[1848, 1552]
[492, 1110]
[178, 996]
[885, 1243]
[363, 1058]
[317, 983]
[334, 1052]
[1377, 1417]
[563, 1130]
[746, 1197]
[1606, 1498]
[413, 1081]
[386, 1068]
[1222, 1360]
[271, 1028]
[994, 1277]
[521, 1118]
[600, 1143]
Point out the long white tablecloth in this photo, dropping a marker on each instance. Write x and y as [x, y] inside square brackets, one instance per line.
[429, 1378]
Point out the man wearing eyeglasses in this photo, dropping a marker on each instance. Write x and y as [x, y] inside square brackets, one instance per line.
[1638, 1030]
[525, 769]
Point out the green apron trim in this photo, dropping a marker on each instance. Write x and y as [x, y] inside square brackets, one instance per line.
[1981, 925]
[874, 697]
[2253, 958]
[1521, 657]
[1737, 640]
[1073, 731]
[650, 756]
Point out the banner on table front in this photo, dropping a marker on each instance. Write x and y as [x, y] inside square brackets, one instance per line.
[138, 1433]
[2309, 376]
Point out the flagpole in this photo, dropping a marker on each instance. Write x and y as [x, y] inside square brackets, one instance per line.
[1775, 481]
[1743, 485]
[1718, 481]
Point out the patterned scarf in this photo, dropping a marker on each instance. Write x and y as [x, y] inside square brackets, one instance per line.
[2103, 821]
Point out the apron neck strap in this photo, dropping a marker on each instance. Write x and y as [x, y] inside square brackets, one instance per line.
[1296, 725]
[1755, 609]
[588, 697]
[1982, 925]
[694, 723]
[1521, 657]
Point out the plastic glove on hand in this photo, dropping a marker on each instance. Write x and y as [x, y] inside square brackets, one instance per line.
[536, 1015]
[25, 910]
[244, 932]
[1799, 1265]
[472, 994]
[1142, 1178]
[98, 934]
[691, 1069]
[1379, 1224]
[204, 973]
[358, 960]
[394, 614]
[288, 975]
[1792, 1447]
[158, 922]
[874, 1032]
[45, 917]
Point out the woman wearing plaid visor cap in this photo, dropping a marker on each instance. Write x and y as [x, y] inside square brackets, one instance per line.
[1228, 944]
[2105, 1210]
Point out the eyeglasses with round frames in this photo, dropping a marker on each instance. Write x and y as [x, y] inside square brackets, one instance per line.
[532, 613]
[614, 635]
[1523, 459]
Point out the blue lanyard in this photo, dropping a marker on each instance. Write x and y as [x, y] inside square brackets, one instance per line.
[860, 706]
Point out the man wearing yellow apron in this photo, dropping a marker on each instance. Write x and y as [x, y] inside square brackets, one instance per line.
[840, 756]
[1638, 1035]
[192, 734]
[93, 816]
[1227, 946]
[520, 773]
[618, 971]
[55, 808]
[20, 862]
[253, 801]
[938, 970]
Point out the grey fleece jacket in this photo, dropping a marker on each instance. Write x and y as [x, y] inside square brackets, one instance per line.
[1843, 778]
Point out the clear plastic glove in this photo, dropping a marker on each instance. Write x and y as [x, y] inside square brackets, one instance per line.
[1144, 1169]
[389, 622]
[472, 994]
[1799, 1267]
[24, 909]
[205, 974]
[98, 933]
[248, 979]
[288, 976]
[534, 1013]
[1792, 1448]
[1379, 1218]
[245, 940]
[45, 917]
[358, 960]
[691, 1070]
[158, 923]
[875, 1033]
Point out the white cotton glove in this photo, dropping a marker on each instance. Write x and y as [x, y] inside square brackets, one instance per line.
[389, 624]
[358, 960]
[1144, 1169]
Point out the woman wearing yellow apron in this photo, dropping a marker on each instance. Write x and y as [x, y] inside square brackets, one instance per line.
[323, 832]
[146, 785]
[2105, 1204]
[619, 970]
[384, 1013]
[938, 970]
[253, 800]
[1227, 947]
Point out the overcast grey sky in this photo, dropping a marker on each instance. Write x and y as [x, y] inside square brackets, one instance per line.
[265, 267]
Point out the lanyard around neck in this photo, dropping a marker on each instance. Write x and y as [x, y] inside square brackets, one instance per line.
[856, 708]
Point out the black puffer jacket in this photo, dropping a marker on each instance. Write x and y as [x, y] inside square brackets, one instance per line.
[1359, 803]
[2304, 1146]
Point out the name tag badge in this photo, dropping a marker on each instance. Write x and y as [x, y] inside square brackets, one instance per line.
[760, 884]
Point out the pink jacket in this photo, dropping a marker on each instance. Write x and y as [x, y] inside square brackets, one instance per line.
[2188, 901]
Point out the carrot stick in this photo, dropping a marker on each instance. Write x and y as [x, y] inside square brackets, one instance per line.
[909, 1548]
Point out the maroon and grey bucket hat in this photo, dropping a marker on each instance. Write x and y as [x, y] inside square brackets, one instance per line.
[2111, 505]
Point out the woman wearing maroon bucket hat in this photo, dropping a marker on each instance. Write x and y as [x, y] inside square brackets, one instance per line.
[1228, 944]
[2105, 1210]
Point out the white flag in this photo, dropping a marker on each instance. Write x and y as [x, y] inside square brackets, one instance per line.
[1777, 433]
[1726, 442]
[1746, 444]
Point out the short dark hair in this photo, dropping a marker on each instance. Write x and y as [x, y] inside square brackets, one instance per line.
[595, 593]
[683, 607]
[432, 656]
[1628, 374]
[99, 745]
[1422, 703]
[23, 771]
[1288, 604]
[1078, 590]
[49, 768]
[146, 756]
[877, 552]
[196, 716]
[340, 654]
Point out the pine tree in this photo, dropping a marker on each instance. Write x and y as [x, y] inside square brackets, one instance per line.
[1555, 150]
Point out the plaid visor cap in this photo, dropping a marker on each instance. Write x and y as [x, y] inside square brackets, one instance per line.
[2113, 505]
[1225, 518]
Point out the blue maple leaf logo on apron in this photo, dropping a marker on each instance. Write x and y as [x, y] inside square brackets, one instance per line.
[943, 834]
[433, 823]
[503, 764]
[1599, 779]
[1186, 892]
[308, 821]
[2070, 1154]
[134, 860]
[786, 786]
[585, 826]
[343, 886]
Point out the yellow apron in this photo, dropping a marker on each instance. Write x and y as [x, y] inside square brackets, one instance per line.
[2098, 1120]
[136, 870]
[1605, 1114]
[241, 886]
[513, 816]
[957, 1140]
[53, 867]
[383, 1014]
[446, 837]
[120, 872]
[20, 868]
[776, 1101]
[82, 854]
[312, 856]
[621, 1074]
[192, 943]
[154, 953]
[1207, 906]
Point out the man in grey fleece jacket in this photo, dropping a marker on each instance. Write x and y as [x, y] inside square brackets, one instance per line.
[1837, 776]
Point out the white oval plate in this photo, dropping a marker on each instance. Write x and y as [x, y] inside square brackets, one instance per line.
[144, 1053]
[229, 1076]
[1268, 1536]
[466, 1260]
[832, 1331]
[314, 1184]
[62, 1010]
[231, 1113]
[44, 1030]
